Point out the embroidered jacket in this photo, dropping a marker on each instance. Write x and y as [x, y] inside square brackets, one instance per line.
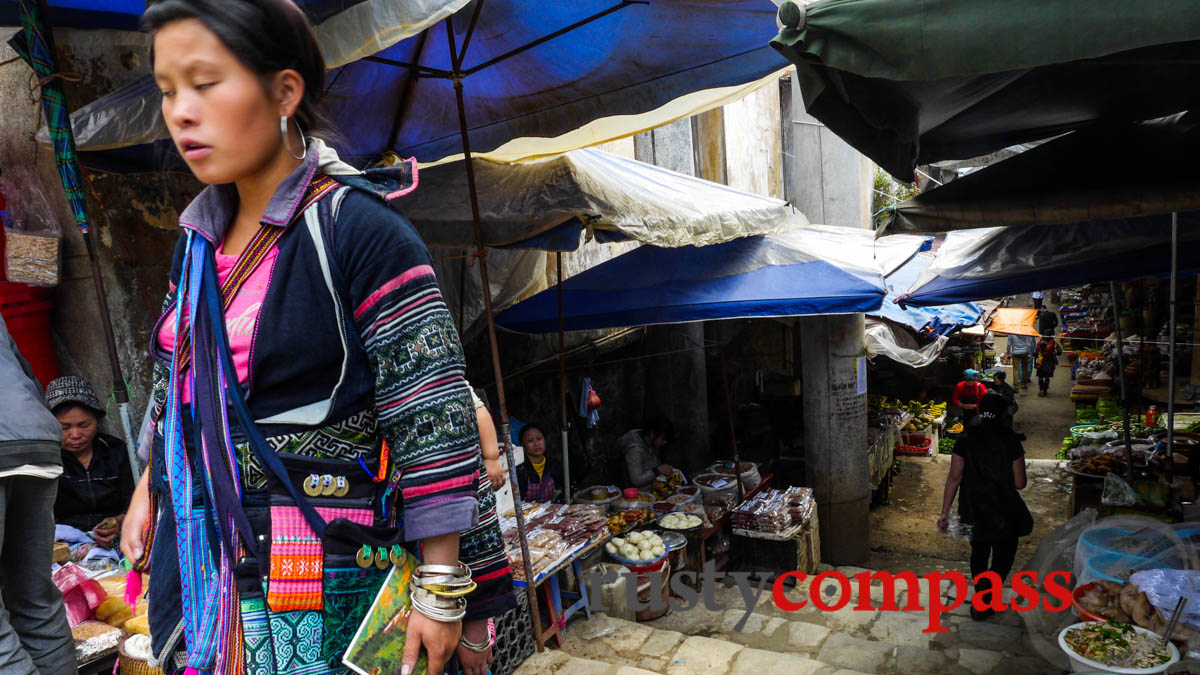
[353, 337]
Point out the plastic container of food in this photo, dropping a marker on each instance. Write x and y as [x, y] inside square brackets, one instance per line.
[598, 495]
[747, 471]
[714, 484]
[1081, 611]
[1079, 664]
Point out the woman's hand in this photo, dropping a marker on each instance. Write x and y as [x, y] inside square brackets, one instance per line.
[439, 638]
[495, 473]
[135, 520]
[472, 662]
[106, 530]
[943, 522]
[666, 469]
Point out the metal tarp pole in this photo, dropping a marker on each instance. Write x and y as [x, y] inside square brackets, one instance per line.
[562, 382]
[1171, 347]
[481, 251]
[1112, 289]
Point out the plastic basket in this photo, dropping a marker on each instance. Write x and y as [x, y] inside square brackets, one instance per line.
[915, 445]
[1118, 566]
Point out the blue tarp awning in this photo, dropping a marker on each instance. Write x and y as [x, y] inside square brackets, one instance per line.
[941, 319]
[995, 262]
[762, 276]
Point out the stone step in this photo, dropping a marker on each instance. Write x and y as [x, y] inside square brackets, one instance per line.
[728, 640]
[633, 648]
[886, 642]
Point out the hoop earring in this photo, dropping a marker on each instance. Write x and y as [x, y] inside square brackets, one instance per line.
[283, 129]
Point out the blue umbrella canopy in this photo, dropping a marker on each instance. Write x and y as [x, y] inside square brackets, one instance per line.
[127, 14]
[762, 276]
[529, 69]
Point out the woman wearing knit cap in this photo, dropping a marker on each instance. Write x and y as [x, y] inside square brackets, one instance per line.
[96, 484]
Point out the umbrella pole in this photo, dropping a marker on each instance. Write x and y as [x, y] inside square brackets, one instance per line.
[120, 393]
[481, 251]
[1171, 348]
[737, 469]
[1112, 289]
[562, 382]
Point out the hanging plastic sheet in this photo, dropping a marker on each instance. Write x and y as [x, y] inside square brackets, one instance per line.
[898, 344]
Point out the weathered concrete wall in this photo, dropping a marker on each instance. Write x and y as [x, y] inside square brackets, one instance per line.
[752, 145]
[133, 217]
[831, 182]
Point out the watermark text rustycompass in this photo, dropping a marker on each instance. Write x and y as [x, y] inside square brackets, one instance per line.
[1055, 596]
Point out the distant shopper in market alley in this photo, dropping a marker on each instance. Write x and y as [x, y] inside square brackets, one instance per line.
[1047, 321]
[1048, 351]
[999, 385]
[1039, 298]
[989, 466]
[1021, 350]
[967, 395]
[96, 484]
[34, 633]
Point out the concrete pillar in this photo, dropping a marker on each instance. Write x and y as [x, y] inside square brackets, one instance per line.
[835, 433]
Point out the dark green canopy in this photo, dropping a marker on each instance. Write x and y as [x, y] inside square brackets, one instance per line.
[1105, 173]
[910, 82]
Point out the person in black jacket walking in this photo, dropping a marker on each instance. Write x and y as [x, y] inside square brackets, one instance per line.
[989, 464]
[96, 485]
[34, 633]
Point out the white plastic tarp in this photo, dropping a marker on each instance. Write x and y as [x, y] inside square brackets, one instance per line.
[598, 190]
[854, 247]
[898, 344]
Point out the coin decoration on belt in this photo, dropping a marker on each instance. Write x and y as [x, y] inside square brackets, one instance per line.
[312, 485]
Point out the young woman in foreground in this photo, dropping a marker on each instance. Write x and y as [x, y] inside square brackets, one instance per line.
[304, 328]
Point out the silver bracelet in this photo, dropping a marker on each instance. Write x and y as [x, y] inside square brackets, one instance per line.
[459, 570]
[478, 648]
[438, 609]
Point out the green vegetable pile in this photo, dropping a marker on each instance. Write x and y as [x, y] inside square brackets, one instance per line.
[1085, 412]
[1193, 428]
[946, 446]
[1108, 409]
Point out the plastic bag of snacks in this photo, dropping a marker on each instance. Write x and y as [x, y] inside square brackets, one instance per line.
[31, 230]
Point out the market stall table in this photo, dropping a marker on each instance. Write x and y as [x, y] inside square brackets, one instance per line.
[553, 593]
[711, 531]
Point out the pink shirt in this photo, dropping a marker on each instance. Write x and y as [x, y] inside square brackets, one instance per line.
[241, 318]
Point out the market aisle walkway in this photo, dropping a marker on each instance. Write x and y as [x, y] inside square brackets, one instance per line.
[807, 642]
[1044, 421]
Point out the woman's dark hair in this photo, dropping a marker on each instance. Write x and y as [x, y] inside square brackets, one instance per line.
[993, 404]
[529, 427]
[266, 36]
[67, 406]
[659, 426]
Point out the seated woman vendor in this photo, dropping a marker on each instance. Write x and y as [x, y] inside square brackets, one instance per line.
[639, 450]
[538, 476]
[96, 485]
